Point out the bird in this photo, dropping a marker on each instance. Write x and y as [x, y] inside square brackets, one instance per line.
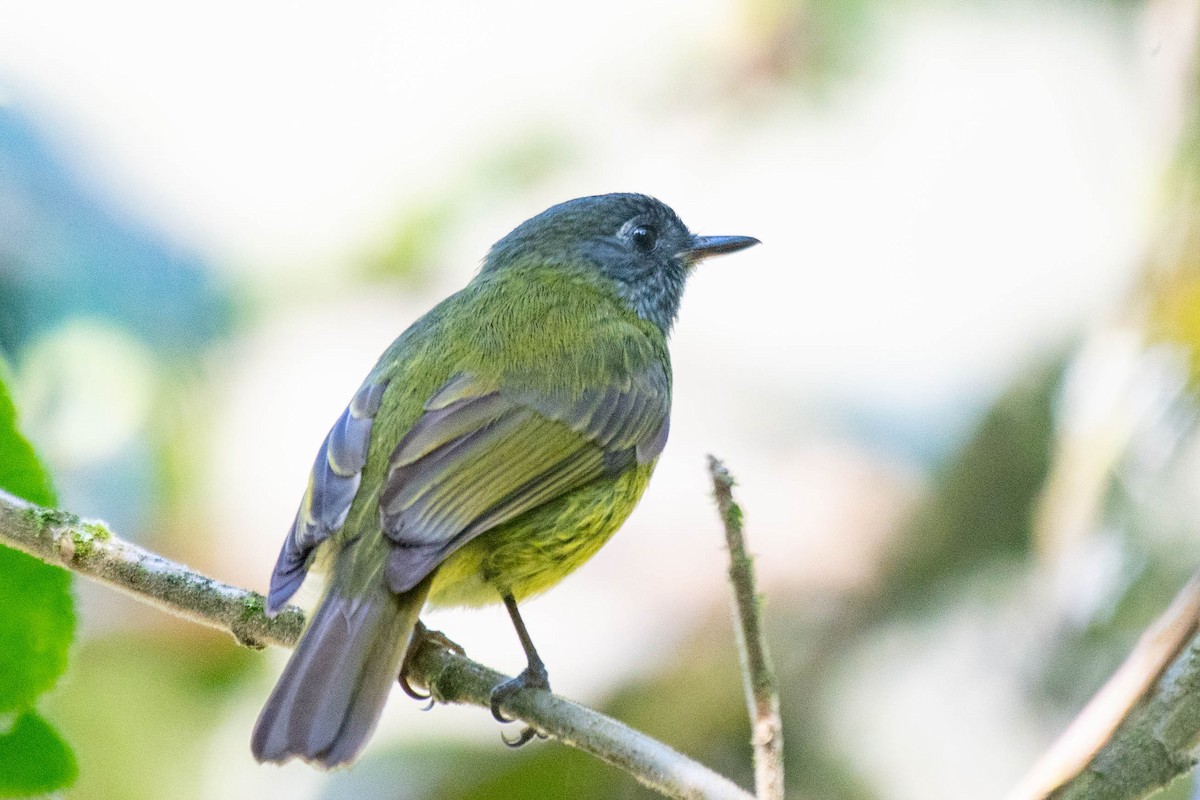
[496, 445]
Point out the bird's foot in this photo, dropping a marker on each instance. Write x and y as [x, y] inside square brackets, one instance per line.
[420, 637]
[526, 735]
[533, 677]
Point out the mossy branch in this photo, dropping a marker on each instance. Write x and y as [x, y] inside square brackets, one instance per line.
[91, 549]
[762, 696]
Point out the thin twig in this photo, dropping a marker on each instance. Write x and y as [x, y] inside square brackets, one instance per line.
[91, 549]
[1138, 732]
[762, 695]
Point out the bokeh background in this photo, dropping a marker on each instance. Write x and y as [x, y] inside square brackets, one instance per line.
[956, 383]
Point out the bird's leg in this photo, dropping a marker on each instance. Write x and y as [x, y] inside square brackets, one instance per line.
[420, 636]
[534, 675]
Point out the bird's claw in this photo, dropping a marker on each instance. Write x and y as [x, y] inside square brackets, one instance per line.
[408, 689]
[533, 677]
[524, 737]
[421, 636]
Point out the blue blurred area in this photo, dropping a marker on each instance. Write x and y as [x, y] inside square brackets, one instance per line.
[67, 252]
[88, 280]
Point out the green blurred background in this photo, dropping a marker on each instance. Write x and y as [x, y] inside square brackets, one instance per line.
[956, 384]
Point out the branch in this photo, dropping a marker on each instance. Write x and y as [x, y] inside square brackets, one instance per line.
[761, 693]
[91, 549]
[1138, 733]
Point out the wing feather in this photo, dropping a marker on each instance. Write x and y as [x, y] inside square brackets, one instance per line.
[479, 457]
[334, 481]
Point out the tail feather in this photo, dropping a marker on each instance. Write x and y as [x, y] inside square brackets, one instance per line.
[331, 693]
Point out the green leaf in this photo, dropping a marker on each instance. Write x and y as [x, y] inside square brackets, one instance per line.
[20, 471]
[36, 630]
[34, 759]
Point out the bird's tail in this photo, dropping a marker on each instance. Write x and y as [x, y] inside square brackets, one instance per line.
[331, 693]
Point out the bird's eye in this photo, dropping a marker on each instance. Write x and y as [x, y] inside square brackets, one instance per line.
[644, 237]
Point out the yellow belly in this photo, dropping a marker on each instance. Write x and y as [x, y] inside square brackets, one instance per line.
[536, 550]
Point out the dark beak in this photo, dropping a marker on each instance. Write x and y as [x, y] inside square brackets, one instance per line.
[705, 246]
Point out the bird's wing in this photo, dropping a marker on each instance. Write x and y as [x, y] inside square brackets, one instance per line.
[477, 458]
[334, 481]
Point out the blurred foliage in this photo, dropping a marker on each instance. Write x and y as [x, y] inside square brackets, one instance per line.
[417, 241]
[973, 525]
[527, 161]
[984, 500]
[1085, 655]
[141, 708]
[812, 45]
[808, 43]
[1171, 292]
[179, 427]
[36, 630]
[414, 243]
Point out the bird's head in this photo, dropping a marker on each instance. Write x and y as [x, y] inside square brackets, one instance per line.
[634, 242]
